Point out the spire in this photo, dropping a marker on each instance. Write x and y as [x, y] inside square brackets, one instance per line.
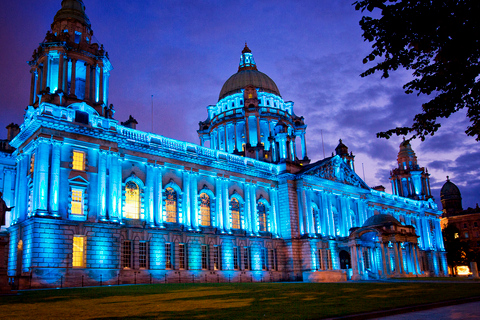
[246, 60]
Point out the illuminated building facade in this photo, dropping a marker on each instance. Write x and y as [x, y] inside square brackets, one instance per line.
[95, 199]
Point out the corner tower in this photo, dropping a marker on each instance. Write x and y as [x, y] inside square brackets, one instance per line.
[251, 118]
[409, 180]
[68, 66]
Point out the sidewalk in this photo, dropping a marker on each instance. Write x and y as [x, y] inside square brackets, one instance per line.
[468, 308]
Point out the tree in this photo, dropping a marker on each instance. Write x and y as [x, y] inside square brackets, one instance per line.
[458, 250]
[439, 40]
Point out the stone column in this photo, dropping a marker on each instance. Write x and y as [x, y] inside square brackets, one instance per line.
[258, 130]
[274, 211]
[309, 212]
[304, 145]
[60, 71]
[397, 259]
[55, 178]
[32, 87]
[8, 194]
[384, 262]
[41, 177]
[225, 143]
[94, 84]
[149, 190]
[102, 185]
[301, 211]
[235, 135]
[45, 72]
[38, 86]
[353, 249]
[188, 199]
[18, 213]
[418, 259]
[219, 201]
[247, 208]
[73, 77]
[159, 216]
[247, 130]
[254, 214]
[100, 87]
[227, 226]
[88, 72]
[194, 200]
[115, 194]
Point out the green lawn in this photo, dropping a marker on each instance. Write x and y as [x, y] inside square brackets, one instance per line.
[227, 301]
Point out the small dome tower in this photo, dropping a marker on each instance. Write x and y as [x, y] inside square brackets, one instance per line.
[451, 198]
[409, 180]
[68, 67]
[342, 151]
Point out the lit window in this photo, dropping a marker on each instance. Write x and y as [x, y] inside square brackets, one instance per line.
[182, 256]
[78, 160]
[168, 256]
[466, 235]
[78, 36]
[262, 216]
[78, 255]
[77, 201]
[321, 266]
[127, 254]
[455, 235]
[205, 210]
[235, 210]
[132, 200]
[32, 163]
[142, 255]
[216, 258]
[204, 257]
[171, 205]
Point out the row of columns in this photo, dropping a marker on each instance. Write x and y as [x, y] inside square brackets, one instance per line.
[321, 220]
[284, 145]
[41, 74]
[406, 260]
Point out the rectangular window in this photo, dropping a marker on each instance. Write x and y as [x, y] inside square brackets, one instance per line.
[246, 258]
[77, 201]
[142, 255]
[216, 258]
[127, 254]
[264, 259]
[204, 257]
[182, 256]
[272, 259]
[320, 265]
[235, 258]
[78, 255]
[168, 256]
[329, 260]
[78, 160]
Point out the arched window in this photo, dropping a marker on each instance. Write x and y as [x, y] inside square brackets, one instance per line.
[171, 205]
[235, 211]
[262, 216]
[205, 220]
[132, 200]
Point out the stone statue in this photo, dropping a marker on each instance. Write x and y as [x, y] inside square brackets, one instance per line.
[3, 210]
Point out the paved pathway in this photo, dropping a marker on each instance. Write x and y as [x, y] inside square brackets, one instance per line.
[460, 311]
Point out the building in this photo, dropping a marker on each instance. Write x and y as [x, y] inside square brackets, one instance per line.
[98, 201]
[467, 222]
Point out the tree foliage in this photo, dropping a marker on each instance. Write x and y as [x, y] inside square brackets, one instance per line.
[439, 40]
[458, 250]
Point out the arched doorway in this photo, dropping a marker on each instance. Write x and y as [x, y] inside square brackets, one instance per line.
[344, 260]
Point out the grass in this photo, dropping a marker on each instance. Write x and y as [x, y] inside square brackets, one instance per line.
[227, 301]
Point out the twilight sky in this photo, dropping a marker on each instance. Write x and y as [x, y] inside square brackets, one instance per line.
[182, 52]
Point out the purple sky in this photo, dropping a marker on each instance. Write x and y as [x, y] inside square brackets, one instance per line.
[182, 52]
